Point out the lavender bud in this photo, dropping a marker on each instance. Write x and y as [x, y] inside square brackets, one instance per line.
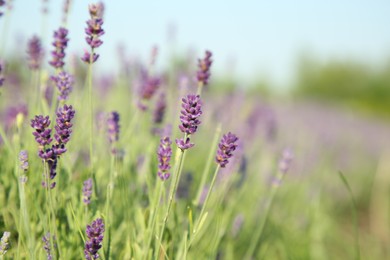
[23, 159]
[1, 77]
[46, 245]
[95, 234]
[60, 43]
[42, 133]
[35, 53]
[63, 128]
[149, 85]
[4, 243]
[87, 191]
[87, 57]
[64, 83]
[164, 153]
[2, 3]
[184, 145]
[204, 65]
[225, 150]
[159, 111]
[192, 109]
[113, 127]
[285, 160]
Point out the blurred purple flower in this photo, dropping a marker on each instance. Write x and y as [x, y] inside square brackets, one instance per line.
[225, 150]
[95, 234]
[164, 153]
[113, 127]
[1, 75]
[64, 82]
[160, 108]
[285, 160]
[23, 159]
[2, 3]
[46, 245]
[204, 65]
[60, 43]
[148, 85]
[35, 53]
[4, 243]
[87, 191]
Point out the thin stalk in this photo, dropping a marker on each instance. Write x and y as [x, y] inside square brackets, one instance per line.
[259, 231]
[354, 215]
[48, 206]
[200, 88]
[110, 188]
[90, 113]
[200, 218]
[208, 165]
[152, 219]
[177, 173]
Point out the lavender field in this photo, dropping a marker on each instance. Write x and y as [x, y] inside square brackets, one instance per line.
[170, 161]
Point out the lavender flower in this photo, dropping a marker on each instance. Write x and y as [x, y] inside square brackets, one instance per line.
[87, 191]
[226, 147]
[46, 246]
[63, 128]
[23, 159]
[1, 77]
[35, 53]
[87, 57]
[65, 10]
[2, 3]
[42, 133]
[64, 82]
[149, 86]
[159, 110]
[60, 43]
[113, 127]
[164, 153]
[285, 160]
[95, 233]
[94, 31]
[204, 65]
[192, 109]
[4, 243]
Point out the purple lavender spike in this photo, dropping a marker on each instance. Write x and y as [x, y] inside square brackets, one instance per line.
[159, 110]
[184, 145]
[191, 111]
[1, 77]
[2, 3]
[46, 240]
[64, 82]
[35, 53]
[42, 133]
[113, 127]
[87, 57]
[63, 128]
[225, 150]
[87, 191]
[95, 234]
[94, 31]
[164, 153]
[23, 159]
[285, 160]
[204, 65]
[60, 43]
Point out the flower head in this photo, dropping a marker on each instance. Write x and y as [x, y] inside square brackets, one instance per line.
[285, 160]
[46, 245]
[42, 132]
[113, 127]
[164, 153]
[190, 113]
[87, 191]
[64, 82]
[35, 53]
[60, 43]
[63, 128]
[1, 77]
[95, 234]
[225, 150]
[159, 110]
[204, 65]
[88, 59]
[4, 243]
[23, 159]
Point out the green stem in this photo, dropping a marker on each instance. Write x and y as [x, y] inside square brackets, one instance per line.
[200, 88]
[200, 218]
[259, 231]
[152, 218]
[90, 113]
[208, 165]
[173, 189]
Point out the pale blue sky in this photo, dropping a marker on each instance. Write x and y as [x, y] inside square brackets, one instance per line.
[263, 37]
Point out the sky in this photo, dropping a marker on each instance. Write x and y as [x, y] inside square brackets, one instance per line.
[249, 39]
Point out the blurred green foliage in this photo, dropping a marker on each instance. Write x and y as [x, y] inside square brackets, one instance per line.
[347, 83]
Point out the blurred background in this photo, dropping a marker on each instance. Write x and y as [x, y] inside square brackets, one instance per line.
[331, 50]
